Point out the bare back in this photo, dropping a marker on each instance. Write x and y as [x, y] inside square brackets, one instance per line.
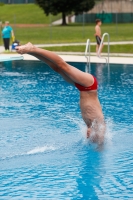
[90, 107]
[93, 116]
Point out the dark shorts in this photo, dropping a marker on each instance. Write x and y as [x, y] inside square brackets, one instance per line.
[98, 39]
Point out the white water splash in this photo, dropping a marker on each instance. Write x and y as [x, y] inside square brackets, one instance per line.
[41, 150]
[109, 134]
[12, 74]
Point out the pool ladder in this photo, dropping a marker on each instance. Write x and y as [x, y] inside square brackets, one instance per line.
[87, 55]
[87, 50]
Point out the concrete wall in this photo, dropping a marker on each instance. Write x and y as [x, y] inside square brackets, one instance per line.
[113, 6]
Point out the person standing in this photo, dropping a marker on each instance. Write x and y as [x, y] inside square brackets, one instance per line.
[7, 33]
[98, 35]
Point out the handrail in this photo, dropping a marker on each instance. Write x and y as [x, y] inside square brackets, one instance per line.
[86, 51]
[101, 47]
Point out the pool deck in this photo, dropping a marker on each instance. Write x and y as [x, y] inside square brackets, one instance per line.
[80, 57]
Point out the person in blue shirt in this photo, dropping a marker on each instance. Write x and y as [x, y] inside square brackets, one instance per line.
[7, 33]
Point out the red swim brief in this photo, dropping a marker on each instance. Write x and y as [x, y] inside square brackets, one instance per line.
[92, 87]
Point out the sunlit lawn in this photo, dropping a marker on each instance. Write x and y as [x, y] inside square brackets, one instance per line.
[25, 14]
[128, 48]
[69, 34]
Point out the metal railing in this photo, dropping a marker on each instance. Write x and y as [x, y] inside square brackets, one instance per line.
[87, 51]
[101, 44]
[87, 54]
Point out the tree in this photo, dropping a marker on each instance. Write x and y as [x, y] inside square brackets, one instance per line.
[65, 7]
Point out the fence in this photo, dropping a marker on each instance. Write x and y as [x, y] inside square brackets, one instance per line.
[105, 17]
[16, 1]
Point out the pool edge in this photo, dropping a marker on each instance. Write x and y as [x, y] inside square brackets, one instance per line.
[79, 58]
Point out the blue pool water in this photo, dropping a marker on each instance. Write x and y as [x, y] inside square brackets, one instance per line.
[43, 150]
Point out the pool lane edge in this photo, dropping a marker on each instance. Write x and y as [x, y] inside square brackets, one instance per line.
[93, 59]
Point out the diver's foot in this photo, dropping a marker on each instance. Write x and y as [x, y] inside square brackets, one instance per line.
[27, 48]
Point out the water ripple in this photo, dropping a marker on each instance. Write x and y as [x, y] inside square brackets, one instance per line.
[44, 153]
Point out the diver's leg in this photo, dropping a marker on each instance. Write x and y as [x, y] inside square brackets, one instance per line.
[54, 67]
[58, 64]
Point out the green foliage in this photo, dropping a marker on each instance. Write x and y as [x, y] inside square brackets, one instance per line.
[65, 6]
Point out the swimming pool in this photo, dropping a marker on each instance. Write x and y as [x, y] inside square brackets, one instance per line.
[43, 150]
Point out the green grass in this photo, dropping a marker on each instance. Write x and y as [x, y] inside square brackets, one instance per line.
[76, 33]
[25, 14]
[128, 48]
[69, 34]
[59, 34]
